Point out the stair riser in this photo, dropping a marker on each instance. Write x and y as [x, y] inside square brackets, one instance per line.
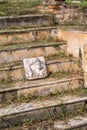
[32, 20]
[41, 90]
[39, 114]
[51, 89]
[28, 52]
[80, 127]
[14, 37]
[17, 72]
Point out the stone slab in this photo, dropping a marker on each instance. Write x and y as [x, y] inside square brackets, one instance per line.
[35, 68]
[36, 105]
[21, 112]
[76, 122]
[26, 20]
[85, 80]
[84, 63]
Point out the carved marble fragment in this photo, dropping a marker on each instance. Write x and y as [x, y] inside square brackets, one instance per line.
[35, 68]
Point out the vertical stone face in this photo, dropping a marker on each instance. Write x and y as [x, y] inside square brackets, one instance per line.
[85, 80]
[84, 63]
[52, 2]
[75, 40]
[73, 123]
[84, 57]
[35, 68]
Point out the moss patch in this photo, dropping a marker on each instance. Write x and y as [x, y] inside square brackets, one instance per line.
[18, 7]
[58, 56]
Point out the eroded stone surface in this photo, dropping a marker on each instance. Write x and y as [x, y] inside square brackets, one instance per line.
[84, 63]
[21, 112]
[75, 40]
[71, 123]
[85, 79]
[35, 105]
[35, 68]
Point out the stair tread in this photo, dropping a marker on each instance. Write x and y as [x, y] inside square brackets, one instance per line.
[36, 105]
[80, 124]
[30, 45]
[19, 64]
[27, 29]
[75, 122]
[22, 30]
[28, 15]
[26, 84]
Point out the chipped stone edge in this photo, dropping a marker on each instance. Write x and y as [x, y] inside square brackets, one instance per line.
[39, 85]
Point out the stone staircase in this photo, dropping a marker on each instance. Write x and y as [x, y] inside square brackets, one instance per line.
[30, 101]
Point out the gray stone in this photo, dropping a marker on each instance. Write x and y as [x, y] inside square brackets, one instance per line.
[76, 122]
[35, 68]
[20, 112]
[84, 63]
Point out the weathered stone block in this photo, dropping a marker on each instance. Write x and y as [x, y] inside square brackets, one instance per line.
[53, 68]
[85, 80]
[85, 49]
[25, 36]
[49, 50]
[75, 40]
[51, 88]
[36, 52]
[78, 123]
[35, 68]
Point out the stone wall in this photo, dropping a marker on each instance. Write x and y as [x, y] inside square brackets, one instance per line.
[71, 16]
[33, 20]
[76, 46]
[75, 40]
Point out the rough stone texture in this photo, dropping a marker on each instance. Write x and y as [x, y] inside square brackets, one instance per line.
[8, 97]
[23, 107]
[16, 72]
[85, 79]
[85, 49]
[75, 41]
[26, 20]
[84, 63]
[53, 68]
[51, 88]
[40, 87]
[35, 68]
[12, 75]
[73, 123]
[66, 14]
[49, 50]
[84, 57]
[18, 54]
[71, 16]
[53, 2]
[27, 35]
[19, 113]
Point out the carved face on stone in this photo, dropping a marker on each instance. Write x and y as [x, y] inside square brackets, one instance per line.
[35, 68]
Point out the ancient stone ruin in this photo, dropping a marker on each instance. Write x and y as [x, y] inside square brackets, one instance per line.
[43, 65]
[35, 68]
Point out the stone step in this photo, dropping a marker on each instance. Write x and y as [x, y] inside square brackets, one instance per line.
[26, 20]
[13, 53]
[49, 124]
[17, 7]
[53, 2]
[14, 36]
[15, 71]
[55, 83]
[40, 110]
[76, 123]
